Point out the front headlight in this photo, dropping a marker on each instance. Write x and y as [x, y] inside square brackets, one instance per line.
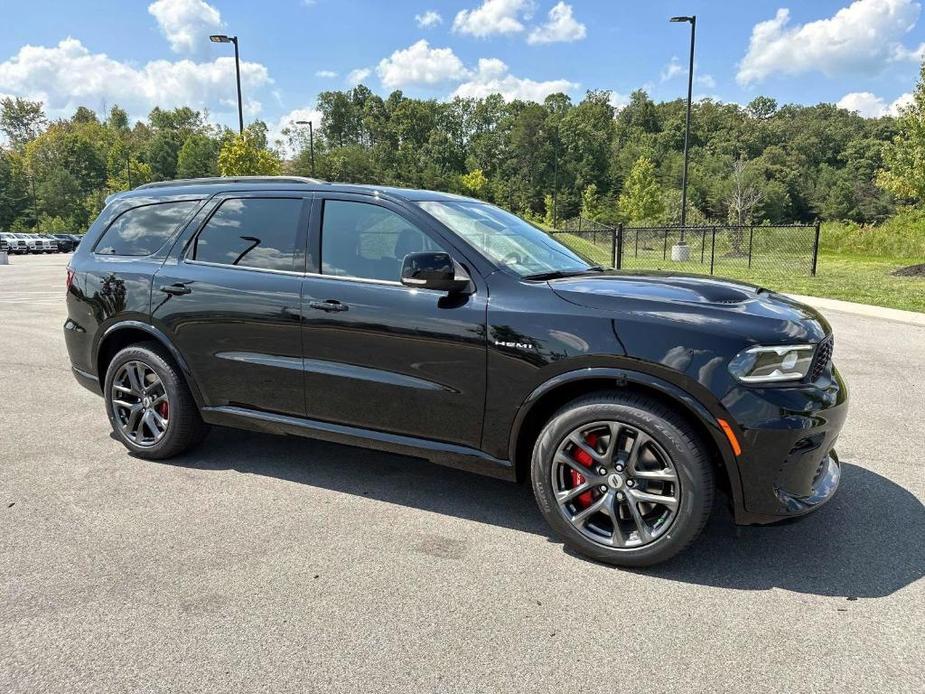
[772, 364]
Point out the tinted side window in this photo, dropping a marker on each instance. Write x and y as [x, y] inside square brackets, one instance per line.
[143, 230]
[252, 232]
[364, 240]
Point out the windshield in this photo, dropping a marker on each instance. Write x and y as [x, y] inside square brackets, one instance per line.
[506, 239]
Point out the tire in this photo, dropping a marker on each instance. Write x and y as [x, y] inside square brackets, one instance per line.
[672, 466]
[183, 427]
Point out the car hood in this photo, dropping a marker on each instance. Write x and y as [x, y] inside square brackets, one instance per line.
[713, 304]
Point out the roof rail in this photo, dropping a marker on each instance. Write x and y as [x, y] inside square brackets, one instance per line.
[228, 179]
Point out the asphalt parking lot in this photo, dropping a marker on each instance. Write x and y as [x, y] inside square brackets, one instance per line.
[269, 564]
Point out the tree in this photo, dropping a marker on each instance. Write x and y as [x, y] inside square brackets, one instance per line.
[118, 118]
[762, 107]
[641, 198]
[741, 200]
[474, 183]
[590, 202]
[162, 153]
[198, 157]
[241, 156]
[903, 174]
[743, 197]
[14, 190]
[549, 218]
[84, 115]
[21, 120]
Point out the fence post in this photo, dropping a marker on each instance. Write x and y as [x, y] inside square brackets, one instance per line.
[665, 247]
[618, 255]
[816, 248]
[579, 222]
[637, 243]
[703, 243]
[713, 250]
[751, 233]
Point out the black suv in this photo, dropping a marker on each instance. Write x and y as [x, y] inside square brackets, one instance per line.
[446, 328]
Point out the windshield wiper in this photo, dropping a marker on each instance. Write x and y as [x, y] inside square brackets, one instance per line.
[556, 274]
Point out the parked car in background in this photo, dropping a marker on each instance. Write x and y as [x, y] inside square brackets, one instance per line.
[14, 244]
[28, 240]
[444, 327]
[66, 242]
[36, 244]
[50, 243]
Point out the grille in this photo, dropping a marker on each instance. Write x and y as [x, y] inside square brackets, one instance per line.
[823, 357]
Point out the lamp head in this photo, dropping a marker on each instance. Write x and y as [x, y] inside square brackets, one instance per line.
[220, 38]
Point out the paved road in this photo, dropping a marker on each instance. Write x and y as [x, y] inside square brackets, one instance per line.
[271, 564]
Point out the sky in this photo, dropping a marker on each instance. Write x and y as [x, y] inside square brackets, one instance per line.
[863, 55]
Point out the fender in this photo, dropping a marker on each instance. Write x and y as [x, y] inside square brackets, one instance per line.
[160, 337]
[622, 377]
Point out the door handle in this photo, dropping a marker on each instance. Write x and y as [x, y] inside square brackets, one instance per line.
[329, 306]
[176, 289]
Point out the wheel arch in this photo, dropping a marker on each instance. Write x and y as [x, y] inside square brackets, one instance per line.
[120, 335]
[539, 406]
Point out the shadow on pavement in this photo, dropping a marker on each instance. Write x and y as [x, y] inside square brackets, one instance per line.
[869, 541]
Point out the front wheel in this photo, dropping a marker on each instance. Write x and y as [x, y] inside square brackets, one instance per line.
[622, 479]
[150, 407]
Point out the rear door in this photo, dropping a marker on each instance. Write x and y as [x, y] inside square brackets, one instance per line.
[229, 298]
[379, 355]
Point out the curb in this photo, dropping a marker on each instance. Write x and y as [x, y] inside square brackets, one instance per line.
[892, 314]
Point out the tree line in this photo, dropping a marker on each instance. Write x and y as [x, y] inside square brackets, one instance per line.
[551, 161]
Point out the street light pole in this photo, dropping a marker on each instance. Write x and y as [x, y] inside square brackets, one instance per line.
[311, 141]
[222, 38]
[687, 128]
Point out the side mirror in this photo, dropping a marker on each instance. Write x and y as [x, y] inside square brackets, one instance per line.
[434, 270]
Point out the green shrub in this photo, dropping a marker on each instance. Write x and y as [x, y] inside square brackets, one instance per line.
[901, 236]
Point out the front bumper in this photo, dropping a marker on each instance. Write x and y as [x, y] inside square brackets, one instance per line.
[788, 465]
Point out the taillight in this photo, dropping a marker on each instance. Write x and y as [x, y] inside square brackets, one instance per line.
[70, 278]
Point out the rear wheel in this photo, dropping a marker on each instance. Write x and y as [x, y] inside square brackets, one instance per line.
[622, 479]
[150, 407]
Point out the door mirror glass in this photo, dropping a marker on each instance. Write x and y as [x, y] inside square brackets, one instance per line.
[434, 270]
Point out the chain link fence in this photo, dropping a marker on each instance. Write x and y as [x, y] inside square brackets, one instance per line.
[757, 253]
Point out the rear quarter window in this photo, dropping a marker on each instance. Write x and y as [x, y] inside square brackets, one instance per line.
[143, 230]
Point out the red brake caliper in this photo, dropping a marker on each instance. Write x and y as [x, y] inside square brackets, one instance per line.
[162, 409]
[584, 499]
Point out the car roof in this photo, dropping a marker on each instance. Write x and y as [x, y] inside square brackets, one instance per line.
[220, 184]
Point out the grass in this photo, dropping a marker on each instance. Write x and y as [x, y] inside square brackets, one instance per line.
[857, 277]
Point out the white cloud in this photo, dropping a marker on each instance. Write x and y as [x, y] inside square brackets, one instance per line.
[870, 105]
[275, 131]
[619, 100]
[69, 75]
[705, 80]
[675, 68]
[428, 20]
[358, 75]
[327, 74]
[859, 39]
[560, 26]
[493, 17]
[420, 64]
[186, 23]
[492, 77]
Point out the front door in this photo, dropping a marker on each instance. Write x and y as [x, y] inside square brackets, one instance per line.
[230, 298]
[379, 355]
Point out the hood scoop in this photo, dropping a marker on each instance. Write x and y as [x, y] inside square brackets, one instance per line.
[655, 287]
